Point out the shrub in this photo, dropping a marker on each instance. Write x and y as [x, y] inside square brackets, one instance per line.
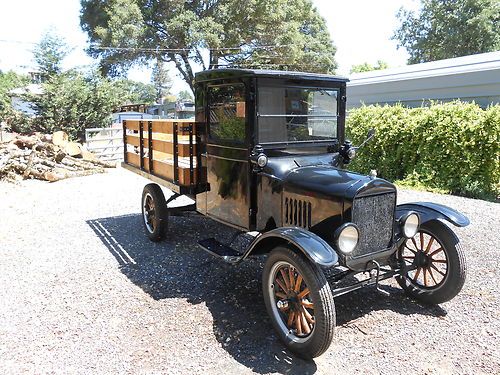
[452, 146]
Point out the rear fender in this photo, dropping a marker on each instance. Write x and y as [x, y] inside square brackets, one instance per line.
[311, 245]
[432, 211]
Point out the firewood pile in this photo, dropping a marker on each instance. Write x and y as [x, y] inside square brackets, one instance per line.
[46, 157]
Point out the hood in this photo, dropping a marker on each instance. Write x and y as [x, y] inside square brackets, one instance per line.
[328, 181]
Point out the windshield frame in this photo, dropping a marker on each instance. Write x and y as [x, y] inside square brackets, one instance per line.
[295, 84]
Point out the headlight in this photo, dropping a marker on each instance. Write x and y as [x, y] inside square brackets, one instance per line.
[410, 224]
[262, 160]
[347, 237]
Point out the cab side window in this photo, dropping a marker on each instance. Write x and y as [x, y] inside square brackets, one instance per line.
[227, 113]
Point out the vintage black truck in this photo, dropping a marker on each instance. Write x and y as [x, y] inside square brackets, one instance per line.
[266, 155]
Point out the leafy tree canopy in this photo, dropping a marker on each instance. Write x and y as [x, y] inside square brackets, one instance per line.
[135, 92]
[70, 100]
[185, 95]
[161, 80]
[257, 33]
[449, 28]
[49, 54]
[366, 67]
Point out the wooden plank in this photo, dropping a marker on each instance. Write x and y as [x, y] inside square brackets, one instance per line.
[167, 126]
[162, 126]
[164, 169]
[240, 109]
[158, 180]
[133, 159]
[161, 146]
[132, 124]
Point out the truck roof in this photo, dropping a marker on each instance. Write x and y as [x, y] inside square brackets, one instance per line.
[212, 74]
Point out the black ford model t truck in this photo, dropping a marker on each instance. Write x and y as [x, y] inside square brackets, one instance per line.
[266, 156]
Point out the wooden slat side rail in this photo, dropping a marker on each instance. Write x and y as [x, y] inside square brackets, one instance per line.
[164, 170]
[167, 149]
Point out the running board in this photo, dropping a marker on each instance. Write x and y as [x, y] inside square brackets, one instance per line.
[218, 249]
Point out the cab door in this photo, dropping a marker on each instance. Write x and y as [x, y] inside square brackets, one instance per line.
[228, 198]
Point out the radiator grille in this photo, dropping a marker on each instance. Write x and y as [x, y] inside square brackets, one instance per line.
[374, 217]
[297, 213]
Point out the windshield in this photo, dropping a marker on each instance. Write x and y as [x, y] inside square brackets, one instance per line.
[297, 114]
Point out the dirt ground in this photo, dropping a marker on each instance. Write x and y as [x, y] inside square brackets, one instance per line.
[84, 291]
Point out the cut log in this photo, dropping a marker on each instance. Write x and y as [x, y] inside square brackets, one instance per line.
[72, 149]
[27, 171]
[89, 156]
[60, 174]
[33, 157]
[60, 138]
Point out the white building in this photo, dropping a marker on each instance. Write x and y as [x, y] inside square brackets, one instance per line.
[469, 78]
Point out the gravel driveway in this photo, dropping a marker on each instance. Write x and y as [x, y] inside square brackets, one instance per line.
[84, 291]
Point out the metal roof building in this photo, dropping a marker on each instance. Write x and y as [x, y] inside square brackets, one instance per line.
[469, 78]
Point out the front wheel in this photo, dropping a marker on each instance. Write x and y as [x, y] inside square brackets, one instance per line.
[439, 263]
[299, 301]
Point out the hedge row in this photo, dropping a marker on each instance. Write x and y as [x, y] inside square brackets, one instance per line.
[453, 146]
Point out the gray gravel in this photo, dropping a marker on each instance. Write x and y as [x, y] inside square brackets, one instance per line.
[84, 291]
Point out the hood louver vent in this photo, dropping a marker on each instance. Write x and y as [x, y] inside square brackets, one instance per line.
[297, 213]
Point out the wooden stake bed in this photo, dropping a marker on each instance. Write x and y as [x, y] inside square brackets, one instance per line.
[166, 151]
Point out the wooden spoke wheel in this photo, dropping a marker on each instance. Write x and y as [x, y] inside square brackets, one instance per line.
[438, 264]
[299, 301]
[292, 298]
[154, 212]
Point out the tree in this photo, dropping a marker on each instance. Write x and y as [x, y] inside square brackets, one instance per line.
[161, 80]
[449, 28]
[49, 53]
[285, 34]
[135, 92]
[365, 67]
[70, 100]
[185, 95]
[73, 102]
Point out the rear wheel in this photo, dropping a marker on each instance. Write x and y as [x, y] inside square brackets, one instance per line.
[299, 301]
[154, 212]
[440, 264]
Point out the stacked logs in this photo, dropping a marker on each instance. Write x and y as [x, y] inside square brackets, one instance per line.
[46, 157]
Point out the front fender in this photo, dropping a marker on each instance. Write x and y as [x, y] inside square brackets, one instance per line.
[311, 245]
[431, 211]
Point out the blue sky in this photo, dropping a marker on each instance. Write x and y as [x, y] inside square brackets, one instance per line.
[360, 29]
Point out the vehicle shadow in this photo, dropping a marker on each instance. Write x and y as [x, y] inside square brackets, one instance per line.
[178, 268]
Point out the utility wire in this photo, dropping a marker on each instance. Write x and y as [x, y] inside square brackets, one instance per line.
[241, 48]
[143, 49]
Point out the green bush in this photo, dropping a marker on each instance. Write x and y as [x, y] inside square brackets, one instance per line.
[452, 146]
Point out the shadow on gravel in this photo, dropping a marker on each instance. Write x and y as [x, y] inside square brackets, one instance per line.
[178, 268]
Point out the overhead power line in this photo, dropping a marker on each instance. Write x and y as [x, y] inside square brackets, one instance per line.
[15, 41]
[144, 49]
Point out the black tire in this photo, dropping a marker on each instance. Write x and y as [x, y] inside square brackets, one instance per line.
[443, 261]
[319, 319]
[154, 212]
